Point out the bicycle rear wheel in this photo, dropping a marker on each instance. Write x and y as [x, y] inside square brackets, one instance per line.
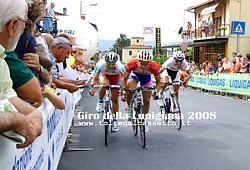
[177, 118]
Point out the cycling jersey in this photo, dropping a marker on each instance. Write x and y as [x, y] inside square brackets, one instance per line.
[132, 66]
[102, 68]
[143, 76]
[170, 64]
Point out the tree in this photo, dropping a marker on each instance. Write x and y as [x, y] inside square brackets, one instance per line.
[120, 42]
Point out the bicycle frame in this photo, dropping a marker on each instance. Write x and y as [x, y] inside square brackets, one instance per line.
[139, 117]
[170, 100]
[107, 112]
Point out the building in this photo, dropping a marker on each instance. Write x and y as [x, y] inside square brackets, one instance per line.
[137, 44]
[213, 31]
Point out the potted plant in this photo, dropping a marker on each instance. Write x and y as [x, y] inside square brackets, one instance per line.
[223, 27]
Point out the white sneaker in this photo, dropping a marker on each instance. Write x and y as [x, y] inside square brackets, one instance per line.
[129, 112]
[175, 110]
[115, 127]
[99, 107]
[146, 127]
[160, 103]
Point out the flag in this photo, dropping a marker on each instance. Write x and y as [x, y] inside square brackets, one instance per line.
[148, 30]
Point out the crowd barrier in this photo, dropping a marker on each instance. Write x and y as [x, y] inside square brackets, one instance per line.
[45, 152]
[224, 82]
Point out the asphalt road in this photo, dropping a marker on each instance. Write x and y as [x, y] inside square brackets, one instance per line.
[215, 136]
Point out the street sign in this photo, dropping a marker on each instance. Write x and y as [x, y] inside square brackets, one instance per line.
[184, 46]
[238, 27]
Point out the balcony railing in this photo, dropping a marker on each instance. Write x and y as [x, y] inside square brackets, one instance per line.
[207, 32]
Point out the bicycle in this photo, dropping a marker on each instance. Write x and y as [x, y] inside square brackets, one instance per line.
[168, 103]
[107, 111]
[138, 118]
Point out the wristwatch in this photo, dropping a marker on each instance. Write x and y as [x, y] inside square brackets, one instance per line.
[41, 70]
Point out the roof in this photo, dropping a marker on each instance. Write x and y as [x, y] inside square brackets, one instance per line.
[138, 47]
[199, 5]
[197, 43]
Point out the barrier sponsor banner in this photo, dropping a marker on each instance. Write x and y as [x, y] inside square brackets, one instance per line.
[231, 83]
[46, 150]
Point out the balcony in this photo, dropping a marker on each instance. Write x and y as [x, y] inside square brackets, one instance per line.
[207, 32]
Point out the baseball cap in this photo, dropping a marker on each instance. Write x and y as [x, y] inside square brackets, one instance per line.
[39, 25]
[239, 55]
[219, 55]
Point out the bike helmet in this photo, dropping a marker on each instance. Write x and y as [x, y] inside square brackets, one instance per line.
[111, 57]
[145, 55]
[179, 56]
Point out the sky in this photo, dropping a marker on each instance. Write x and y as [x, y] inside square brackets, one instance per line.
[115, 17]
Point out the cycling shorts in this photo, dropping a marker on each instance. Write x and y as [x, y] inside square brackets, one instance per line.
[174, 75]
[113, 79]
[145, 80]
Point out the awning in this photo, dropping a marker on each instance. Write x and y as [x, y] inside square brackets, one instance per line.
[209, 9]
[197, 43]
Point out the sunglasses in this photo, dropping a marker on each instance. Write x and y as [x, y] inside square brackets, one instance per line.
[178, 61]
[110, 63]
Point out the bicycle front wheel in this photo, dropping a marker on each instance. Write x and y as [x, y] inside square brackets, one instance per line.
[135, 119]
[142, 132]
[106, 122]
[177, 118]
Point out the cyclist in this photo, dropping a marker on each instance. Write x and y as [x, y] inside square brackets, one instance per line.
[139, 70]
[172, 68]
[108, 71]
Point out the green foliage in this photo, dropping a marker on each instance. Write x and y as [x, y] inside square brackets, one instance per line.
[121, 42]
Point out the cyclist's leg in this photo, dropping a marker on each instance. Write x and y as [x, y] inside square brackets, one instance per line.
[165, 79]
[102, 80]
[131, 83]
[176, 85]
[114, 80]
[102, 91]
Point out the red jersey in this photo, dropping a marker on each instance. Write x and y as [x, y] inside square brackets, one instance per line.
[133, 65]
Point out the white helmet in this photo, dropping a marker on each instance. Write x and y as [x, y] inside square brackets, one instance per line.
[179, 56]
[111, 57]
[145, 55]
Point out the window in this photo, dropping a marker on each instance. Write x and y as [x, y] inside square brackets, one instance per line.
[137, 41]
[130, 53]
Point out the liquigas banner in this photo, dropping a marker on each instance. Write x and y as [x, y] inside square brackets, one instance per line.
[231, 83]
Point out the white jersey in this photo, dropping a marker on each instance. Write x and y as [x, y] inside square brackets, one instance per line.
[102, 68]
[170, 64]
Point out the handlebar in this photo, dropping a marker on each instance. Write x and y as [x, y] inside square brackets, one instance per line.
[140, 88]
[170, 83]
[106, 86]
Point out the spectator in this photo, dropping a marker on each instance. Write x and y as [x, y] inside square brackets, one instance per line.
[29, 121]
[59, 51]
[48, 91]
[244, 64]
[211, 68]
[43, 43]
[25, 49]
[236, 65]
[75, 58]
[48, 19]
[210, 25]
[219, 59]
[247, 65]
[21, 75]
[227, 65]
[220, 68]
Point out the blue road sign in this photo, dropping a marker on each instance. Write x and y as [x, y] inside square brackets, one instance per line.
[238, 27]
